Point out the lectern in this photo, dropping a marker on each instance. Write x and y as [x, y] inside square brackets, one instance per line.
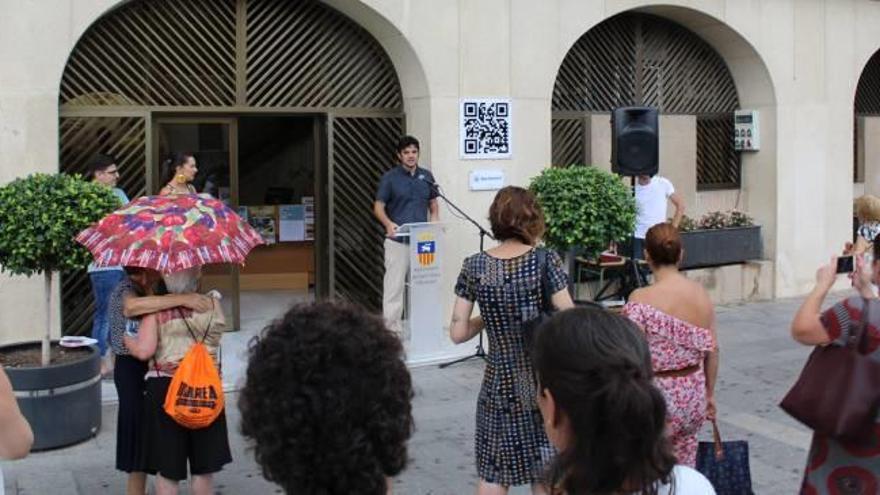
[424, 295]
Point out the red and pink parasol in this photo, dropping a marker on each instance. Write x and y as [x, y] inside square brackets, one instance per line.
[170, 233]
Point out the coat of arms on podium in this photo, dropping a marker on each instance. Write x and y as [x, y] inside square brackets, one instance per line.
[425, 252]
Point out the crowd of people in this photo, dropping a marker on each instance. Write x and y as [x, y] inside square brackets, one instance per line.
[587, 401]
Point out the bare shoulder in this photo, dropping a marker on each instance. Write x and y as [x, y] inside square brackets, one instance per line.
[639, 295]
[700, 298]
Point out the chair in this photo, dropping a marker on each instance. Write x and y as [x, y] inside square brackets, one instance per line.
[609, 270]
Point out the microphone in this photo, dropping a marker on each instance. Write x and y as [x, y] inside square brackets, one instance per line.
[431, 183]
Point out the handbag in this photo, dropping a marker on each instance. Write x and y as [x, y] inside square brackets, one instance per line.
[838, 391]
[725, 464]
[546, 310]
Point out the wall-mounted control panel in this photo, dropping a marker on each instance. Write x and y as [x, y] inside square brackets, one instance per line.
[745, 130]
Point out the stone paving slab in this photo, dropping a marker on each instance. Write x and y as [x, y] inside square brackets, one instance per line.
[759, 362]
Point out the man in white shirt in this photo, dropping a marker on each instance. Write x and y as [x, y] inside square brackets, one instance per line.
[652, 194]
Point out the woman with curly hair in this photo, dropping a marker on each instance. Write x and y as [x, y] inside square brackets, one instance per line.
[509, 282]
[602, 410]
[327, 402]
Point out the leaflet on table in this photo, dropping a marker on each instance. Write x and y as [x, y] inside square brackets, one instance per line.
[309, 217]
[291, 224]
[262, 219]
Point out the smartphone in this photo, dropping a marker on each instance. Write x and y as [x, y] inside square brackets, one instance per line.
[845, 264]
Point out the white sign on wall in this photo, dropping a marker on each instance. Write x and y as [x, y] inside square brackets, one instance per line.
[484, 128]
[486, 180]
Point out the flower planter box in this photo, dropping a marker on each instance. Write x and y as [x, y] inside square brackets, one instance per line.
[721, 247]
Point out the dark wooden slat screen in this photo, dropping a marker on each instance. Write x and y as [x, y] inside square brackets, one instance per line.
[720, 163]
[148, 53]
[363, 149]
[867, 104]
[193, 56]
[124, 138]
[868, 91]
[305, 55]
[568, 142]
[640, 59]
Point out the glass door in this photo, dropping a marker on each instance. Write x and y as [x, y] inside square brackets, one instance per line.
[214, 144]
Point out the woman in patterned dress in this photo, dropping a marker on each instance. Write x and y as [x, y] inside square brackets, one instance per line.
[506, 281]
[678, 319]
[867, 210]
[837, 467]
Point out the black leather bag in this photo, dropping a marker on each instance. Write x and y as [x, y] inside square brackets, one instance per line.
[546, 310]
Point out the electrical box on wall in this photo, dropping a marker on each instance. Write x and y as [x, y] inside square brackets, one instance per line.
[745, 130]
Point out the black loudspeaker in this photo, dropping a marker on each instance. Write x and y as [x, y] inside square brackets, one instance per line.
[634, 141]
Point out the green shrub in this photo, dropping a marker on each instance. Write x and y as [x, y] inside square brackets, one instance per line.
[41, 214]
[585, 207]
[39, 217]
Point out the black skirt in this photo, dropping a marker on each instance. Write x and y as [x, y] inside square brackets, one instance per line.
[128, 375]
[169, 447]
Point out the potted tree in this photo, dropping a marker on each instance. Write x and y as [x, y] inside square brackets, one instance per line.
[720, 238]
[58, 389]
[586, 208]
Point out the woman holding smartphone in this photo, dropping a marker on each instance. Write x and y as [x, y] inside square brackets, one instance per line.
[833, 463]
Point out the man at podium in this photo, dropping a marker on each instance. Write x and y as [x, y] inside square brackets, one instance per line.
[406, 194]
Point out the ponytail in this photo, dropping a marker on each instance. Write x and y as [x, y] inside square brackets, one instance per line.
[597, 367]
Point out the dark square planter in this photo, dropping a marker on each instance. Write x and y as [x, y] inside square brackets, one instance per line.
[721, 247]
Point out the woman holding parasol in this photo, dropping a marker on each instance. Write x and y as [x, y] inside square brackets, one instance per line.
[174, 236]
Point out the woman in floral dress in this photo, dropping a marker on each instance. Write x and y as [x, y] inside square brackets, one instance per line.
[678, 319]
[833, 466]
[506, 281]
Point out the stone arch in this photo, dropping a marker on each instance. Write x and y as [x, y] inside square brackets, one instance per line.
[634, 59]
[247, 57]
[755, 91]
[866, 124]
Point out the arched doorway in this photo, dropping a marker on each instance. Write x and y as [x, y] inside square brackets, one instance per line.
[250, 83]
[866, 129]
[636, 58]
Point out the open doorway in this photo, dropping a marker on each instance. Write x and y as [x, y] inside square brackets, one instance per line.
[269, 169]
[277, 182]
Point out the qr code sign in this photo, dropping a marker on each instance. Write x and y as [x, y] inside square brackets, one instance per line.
[485, 128]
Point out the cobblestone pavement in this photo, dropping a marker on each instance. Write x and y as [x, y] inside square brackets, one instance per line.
[759, 362]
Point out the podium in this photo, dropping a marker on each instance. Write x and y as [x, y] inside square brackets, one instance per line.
[424, 310]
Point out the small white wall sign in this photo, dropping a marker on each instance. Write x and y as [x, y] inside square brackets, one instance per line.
[486, 180]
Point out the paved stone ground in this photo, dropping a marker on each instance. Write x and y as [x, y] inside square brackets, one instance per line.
[759, 362]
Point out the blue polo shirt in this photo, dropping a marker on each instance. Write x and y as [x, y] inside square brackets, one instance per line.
[406, 197]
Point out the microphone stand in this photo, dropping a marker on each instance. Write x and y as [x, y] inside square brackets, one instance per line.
[480, 351]
[633, 260]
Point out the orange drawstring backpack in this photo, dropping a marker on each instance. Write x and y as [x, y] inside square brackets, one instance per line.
[195, 396]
